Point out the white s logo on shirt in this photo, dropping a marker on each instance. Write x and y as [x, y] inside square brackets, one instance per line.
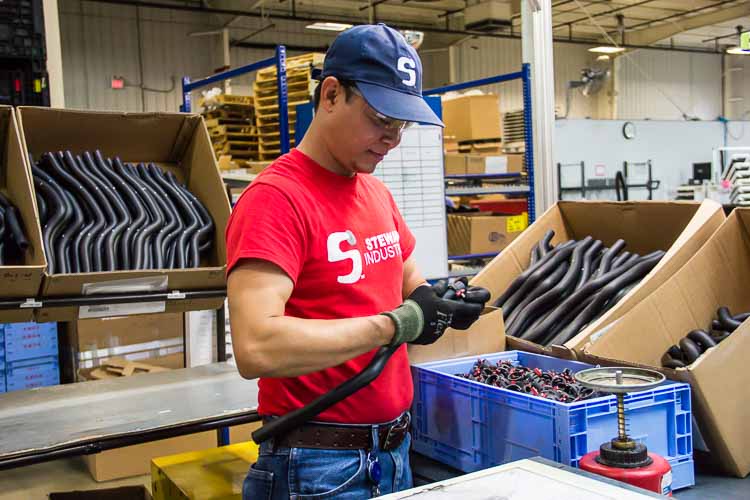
[408, 66]
[335, 254]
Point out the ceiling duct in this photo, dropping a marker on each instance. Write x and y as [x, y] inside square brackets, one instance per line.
[487, 16]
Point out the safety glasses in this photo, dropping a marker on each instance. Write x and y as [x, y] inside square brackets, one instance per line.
[382, 121]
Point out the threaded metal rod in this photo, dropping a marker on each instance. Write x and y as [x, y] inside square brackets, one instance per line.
[621, 429]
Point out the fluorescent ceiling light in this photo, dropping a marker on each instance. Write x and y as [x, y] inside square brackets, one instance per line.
[738, 51]
[607, 49]
[323, 26]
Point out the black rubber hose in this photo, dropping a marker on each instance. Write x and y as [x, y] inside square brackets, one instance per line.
[142, 241]
[88, 255]
[572, 301]
[104, 252]
[60, 214]
[632, 275]
[114, 184]
[545, 285]
[669, 362]
[588, 260]
[702, 338]
[690, 350]
[555, 329]
[122, 217]
[741, 317]
[726, 320]
[138, 210]
[41, 204]
[177, 252]
[13, 223]
[620, 259]
[675, 352]
[716, 325]
[719, 335]
[534, 255]
[206, 230]
[545, 244]
[532, 276]
[166, 232]
[554, 295]
[296, 418]
[606, 263]
[76, 230]
[168, 248]
[189, 235]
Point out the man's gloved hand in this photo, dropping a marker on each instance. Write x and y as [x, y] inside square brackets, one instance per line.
[425, 314]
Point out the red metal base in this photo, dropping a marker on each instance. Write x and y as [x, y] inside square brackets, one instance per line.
[656, 477]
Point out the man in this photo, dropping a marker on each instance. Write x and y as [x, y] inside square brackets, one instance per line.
[307, 310]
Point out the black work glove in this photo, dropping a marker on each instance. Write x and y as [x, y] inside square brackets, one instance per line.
[425, 315]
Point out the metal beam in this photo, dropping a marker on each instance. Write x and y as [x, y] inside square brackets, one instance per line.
[604, 13]
[680, 23]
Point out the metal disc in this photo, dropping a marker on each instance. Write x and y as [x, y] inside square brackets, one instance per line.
[619, 379]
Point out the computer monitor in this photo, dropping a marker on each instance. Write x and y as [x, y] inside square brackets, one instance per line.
[702, 171]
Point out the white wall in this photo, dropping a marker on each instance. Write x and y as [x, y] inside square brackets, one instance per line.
[662, 85]
[672, 146]
[737, 87]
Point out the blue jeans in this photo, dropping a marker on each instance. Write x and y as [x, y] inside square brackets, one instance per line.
[305, 473]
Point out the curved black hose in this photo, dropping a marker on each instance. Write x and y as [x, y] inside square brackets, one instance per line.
[61, 214]
[534, 255]
[13, 223]
[296, 418]
[675, 352]
[636, 273]
[545, 245]
[139, 215]
[166, 232]
[741, 317]
[606, 263]
[41, 204]
[104, 252]
[553, 296]
[531, 276]
[88, 255]
[545, 285]
[571, 302]
[726, 320]
[588, 260]
[168, 249]
[142, 243]
[206, 230]
[113, 184]
[620, 259]
[702, 338]
[189, 237]
[690, 350]
[669, 362]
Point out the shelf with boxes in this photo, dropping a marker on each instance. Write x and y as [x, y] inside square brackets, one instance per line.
[477, 165]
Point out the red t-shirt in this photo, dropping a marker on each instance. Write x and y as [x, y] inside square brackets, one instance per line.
[343, 242]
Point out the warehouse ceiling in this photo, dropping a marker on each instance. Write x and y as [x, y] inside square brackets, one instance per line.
[696, 24]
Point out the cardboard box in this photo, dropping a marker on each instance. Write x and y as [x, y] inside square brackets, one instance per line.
[679, 228]
[482, 232]
[136, 460]
[176, 142]
[30, 340]
[485, 148]
[717, 275]
[19, 281]
[504, 164]
[487, 335]
[460, 164]
[472, 117]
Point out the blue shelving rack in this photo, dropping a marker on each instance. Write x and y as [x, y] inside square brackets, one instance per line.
[278, 60]
[525, 76]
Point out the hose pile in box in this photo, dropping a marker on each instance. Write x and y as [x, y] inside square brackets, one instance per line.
[697, 342]
[13, 241]
[568, 286]
[101, 214]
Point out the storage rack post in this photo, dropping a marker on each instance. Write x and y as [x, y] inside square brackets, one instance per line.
[278, 60]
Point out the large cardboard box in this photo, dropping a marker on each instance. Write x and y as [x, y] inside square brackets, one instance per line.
[472, 117]
[176, 142]
[717, 275]
[19, 280]
[482, 232]
[679, 228]
[485, 336]
[461, 164]
[136, 460]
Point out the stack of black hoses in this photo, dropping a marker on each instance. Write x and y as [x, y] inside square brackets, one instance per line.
[101, 214]
[13, 241]
[699, 341]
[568, 286]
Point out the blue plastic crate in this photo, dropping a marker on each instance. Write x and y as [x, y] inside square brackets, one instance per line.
[2, 379]
[473, 426]
[30, 340]
[30, 373]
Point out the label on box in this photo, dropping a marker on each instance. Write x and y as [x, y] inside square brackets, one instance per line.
[30, 340]
[496, 164]
[107, 310]
[516, 223]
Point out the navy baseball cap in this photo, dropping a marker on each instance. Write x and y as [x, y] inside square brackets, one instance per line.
[385, 69]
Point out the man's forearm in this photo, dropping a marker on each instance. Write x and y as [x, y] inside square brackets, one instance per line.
[285, 346]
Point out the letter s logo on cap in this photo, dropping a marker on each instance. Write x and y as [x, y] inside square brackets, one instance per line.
[408, 66]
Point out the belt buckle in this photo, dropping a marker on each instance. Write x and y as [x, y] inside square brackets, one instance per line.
[397, 430]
